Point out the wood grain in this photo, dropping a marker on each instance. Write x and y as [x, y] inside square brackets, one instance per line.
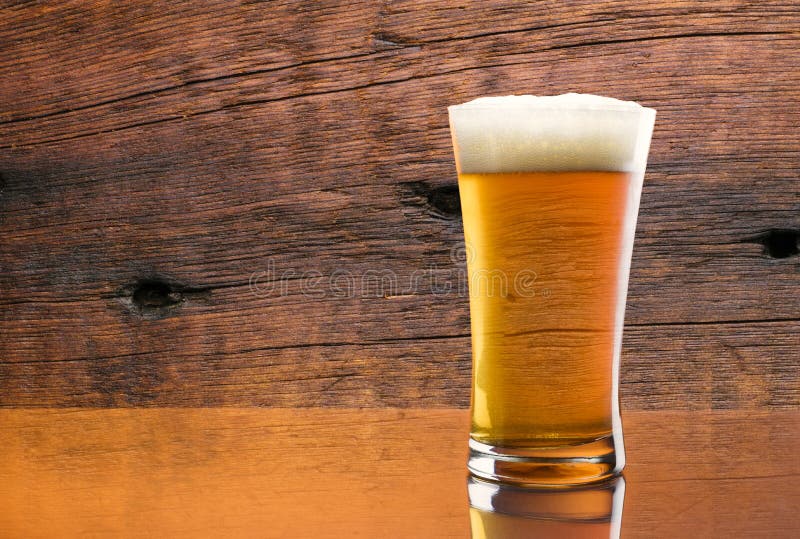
[149, 47]
[197, 145]
[363, 473]
[247, 355]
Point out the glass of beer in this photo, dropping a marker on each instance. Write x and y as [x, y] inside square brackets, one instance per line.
[503, 511]
[550, 190]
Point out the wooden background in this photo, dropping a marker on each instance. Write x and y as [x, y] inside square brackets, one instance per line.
[157, 158]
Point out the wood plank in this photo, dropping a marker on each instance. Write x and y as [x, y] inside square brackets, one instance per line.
[236, 353]
[749, 77]
[108, 53]
[222, 233]
[325, 473]
[711, 367]
[206, 200]
[90, 240]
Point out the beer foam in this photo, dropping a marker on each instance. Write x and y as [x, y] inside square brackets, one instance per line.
[526, 133]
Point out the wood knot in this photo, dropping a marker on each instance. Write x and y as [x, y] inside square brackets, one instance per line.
[155, 298]
[780, 242]
[445, 201]
[155, 295]
[442, 202]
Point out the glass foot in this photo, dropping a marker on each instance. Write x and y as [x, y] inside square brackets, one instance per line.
[597, 460]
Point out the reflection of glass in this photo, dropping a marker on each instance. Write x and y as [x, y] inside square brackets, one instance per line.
[501, 511]
[549, 195]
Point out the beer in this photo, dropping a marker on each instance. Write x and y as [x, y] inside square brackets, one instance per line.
[536, 347]
[549, 194]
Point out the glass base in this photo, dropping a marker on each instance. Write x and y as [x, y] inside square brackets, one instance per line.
[579, 464]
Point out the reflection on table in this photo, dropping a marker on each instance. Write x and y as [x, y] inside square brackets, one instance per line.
[499, 511]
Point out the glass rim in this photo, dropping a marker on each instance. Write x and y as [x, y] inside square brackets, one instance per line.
[570, 108]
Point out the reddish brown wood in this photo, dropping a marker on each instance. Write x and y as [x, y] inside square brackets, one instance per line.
[243, 353]
[195, 144]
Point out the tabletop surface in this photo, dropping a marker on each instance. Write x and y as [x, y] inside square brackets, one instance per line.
[250, 472]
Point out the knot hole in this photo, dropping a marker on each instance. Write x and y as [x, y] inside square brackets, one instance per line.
[155, 294]
[445, 201]
[780, 243]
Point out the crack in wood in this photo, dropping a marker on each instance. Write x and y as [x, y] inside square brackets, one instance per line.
[187, 84]
[712, 322]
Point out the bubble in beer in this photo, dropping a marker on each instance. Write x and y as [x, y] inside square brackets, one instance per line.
[569, 132]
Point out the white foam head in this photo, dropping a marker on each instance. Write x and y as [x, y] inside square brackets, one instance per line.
[525, 133]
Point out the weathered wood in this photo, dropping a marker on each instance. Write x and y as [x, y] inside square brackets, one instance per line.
[209, 199]
[371, 473]
[107, 53]
[245, 354]
[195, 146]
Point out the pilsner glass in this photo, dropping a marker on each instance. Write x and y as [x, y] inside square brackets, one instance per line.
[550, 191]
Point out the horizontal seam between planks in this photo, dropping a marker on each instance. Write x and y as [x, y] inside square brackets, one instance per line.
[248, 350]
[712, 322]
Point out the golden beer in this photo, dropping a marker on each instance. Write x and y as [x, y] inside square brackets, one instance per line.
[549, 205]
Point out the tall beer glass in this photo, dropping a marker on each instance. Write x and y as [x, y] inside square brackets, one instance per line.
[550, 191]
